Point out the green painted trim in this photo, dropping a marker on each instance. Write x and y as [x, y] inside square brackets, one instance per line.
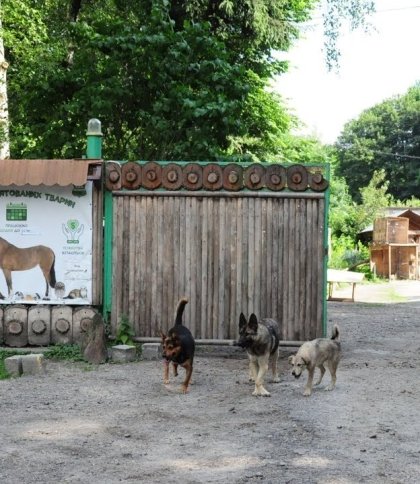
[325, 261]
[107, 257]
[224, 162]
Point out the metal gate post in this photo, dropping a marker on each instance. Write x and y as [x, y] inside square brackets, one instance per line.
[94, 151]
[108, 235]
[326, 220]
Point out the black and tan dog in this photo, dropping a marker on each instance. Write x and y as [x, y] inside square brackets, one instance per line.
[178, 348]
[261, 341]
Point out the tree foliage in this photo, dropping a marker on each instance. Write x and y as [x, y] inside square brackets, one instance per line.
[168, 79]
[335, 14]
[386, 136]
[173, 79]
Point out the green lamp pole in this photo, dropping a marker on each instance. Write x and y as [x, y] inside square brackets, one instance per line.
[94, 139]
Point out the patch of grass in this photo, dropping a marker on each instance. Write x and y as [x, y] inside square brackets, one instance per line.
[5, 354]
[64, 352]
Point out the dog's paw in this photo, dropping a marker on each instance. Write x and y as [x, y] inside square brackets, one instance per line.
[329, 388]
[276, 379]
[307, 393]
[184, 389]
[166, 382]
[262, 392]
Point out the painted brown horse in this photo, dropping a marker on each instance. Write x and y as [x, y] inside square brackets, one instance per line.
[13, 258]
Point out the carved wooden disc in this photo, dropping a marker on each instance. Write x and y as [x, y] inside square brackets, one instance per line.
[172, 176]
[317, 182]
[254, 177]
[131, 175]
[152, 175]
[39, 326]
[15, 327]
[62, 325]
[112, 176]
[212, 177]
[232, 177]
[297, 178]
[192, 176]
[275, 177]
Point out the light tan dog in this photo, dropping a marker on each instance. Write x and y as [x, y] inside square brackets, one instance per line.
[314, 354]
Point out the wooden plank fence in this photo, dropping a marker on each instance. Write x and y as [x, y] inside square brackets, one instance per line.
[228, 252]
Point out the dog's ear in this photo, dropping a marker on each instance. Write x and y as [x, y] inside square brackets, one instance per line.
[291, 359]
[253, 322]
[162, 335]
[242, 321]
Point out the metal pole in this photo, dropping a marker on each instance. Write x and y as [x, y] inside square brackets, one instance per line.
[325, 255]
[94, 140]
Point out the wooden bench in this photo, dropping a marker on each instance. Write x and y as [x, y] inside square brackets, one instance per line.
[335, 276]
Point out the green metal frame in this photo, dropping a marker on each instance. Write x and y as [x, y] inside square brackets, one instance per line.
[326, 221]
[108, 237]
[94, 151]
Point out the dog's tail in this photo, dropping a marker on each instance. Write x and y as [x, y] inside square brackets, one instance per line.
[335, 333]
[180, 309]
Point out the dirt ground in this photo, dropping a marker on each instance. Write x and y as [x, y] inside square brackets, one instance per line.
[119, 423]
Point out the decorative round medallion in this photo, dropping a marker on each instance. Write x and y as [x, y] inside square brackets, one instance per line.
[131, 175]
[85, 324]
[275, 177]
[212, 177]
[113, 175]
[232, 177]
[39, 326]
[297, 178]
[193, 176]
[254, 177]
[172, 176]
[62, 325]
[317, 182]
[15, 327]
[152, 175]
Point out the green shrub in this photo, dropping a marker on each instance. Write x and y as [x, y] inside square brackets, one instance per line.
[125, 332]
[346, 255]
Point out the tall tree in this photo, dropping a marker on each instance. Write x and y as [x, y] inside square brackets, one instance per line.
[4, 110]
[386, 136]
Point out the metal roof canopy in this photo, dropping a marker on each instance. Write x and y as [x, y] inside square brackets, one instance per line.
[49, 172]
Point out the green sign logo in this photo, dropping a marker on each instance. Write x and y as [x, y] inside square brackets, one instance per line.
[16, 212]
[72, 231]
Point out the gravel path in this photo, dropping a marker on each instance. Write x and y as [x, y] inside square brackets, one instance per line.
[119, 423]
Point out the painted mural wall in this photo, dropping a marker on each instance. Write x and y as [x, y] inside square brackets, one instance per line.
[46, 244]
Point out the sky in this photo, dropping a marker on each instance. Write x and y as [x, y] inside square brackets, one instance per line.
[374, 66]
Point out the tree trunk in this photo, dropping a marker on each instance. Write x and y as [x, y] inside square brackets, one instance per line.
[4, 111]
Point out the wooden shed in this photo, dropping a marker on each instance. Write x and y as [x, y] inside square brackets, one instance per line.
[231, 237]
[394, 253]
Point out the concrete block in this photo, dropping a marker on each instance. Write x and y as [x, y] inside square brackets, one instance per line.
[151, 351]
[123, 353]
[13, 365]
[33, 364]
